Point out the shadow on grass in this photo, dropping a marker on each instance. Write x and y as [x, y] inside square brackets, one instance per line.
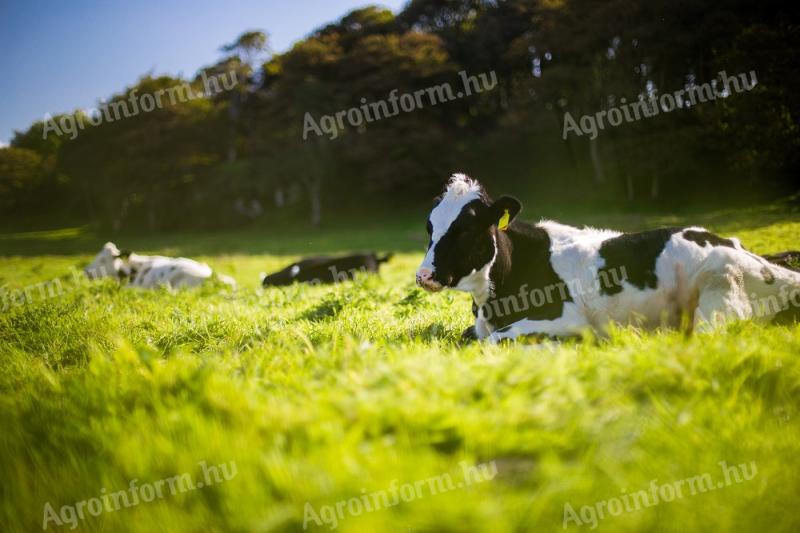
[271, 241]
[397, 234]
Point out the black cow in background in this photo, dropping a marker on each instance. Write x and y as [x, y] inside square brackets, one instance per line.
[790, 260]
[324, 269]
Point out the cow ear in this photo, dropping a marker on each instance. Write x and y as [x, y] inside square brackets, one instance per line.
[503, 211]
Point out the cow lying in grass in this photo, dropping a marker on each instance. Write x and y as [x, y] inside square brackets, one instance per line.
[150, 271]
[790, 260]
[323, 269]
[553, 280]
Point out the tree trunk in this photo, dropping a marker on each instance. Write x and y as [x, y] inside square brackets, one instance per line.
[654, 187]
[151, 216]
[597, 165]
[567, 142]
[88, 196]
[233, 115]
[315, 200]
[629, 183]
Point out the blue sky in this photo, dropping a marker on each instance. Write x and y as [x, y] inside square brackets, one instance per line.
[59, 55]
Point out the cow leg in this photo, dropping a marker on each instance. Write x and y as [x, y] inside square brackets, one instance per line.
[722, 298]
[571, 323]
[740, 286]
[469, 335]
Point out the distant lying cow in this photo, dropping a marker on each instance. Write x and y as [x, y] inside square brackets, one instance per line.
[553, 280]
[150, 271]
[790, 260]
[324, 269]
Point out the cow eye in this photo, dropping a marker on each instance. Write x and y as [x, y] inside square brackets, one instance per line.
[429, 227]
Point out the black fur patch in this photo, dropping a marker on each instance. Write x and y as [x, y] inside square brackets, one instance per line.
[703, 238]
[637, 254]
[523, 260]
[790, 260]
[789, 315]
[469, 334]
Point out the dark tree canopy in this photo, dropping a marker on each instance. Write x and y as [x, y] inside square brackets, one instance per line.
[551, 58]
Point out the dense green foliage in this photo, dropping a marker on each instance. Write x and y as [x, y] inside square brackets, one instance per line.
[241, 152]
[319, 393]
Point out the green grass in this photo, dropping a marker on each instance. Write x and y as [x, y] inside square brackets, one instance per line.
[321, 394]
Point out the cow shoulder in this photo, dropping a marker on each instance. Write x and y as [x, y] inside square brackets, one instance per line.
[529, 288]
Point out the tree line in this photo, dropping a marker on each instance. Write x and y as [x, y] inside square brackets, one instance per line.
[244, 152]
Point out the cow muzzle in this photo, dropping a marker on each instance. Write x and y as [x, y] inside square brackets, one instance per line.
[426, 281]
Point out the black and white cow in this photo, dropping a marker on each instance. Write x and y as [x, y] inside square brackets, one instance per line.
[150, 271]
[325, 269]
[554, 280]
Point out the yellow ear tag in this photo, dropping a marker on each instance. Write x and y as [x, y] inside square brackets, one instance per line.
[503, 224]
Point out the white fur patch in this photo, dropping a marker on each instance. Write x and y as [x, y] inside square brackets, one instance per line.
[460, 191]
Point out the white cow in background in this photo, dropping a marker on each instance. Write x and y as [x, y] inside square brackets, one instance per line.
[150, 271]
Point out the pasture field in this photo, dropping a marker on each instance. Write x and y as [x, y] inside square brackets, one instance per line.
[323, 401]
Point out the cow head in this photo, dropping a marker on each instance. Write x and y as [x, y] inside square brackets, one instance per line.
[109, 262]
[281, 278]
[463, 234]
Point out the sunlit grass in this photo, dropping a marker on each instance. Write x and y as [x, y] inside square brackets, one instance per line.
[47, 235]
[322, 394]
